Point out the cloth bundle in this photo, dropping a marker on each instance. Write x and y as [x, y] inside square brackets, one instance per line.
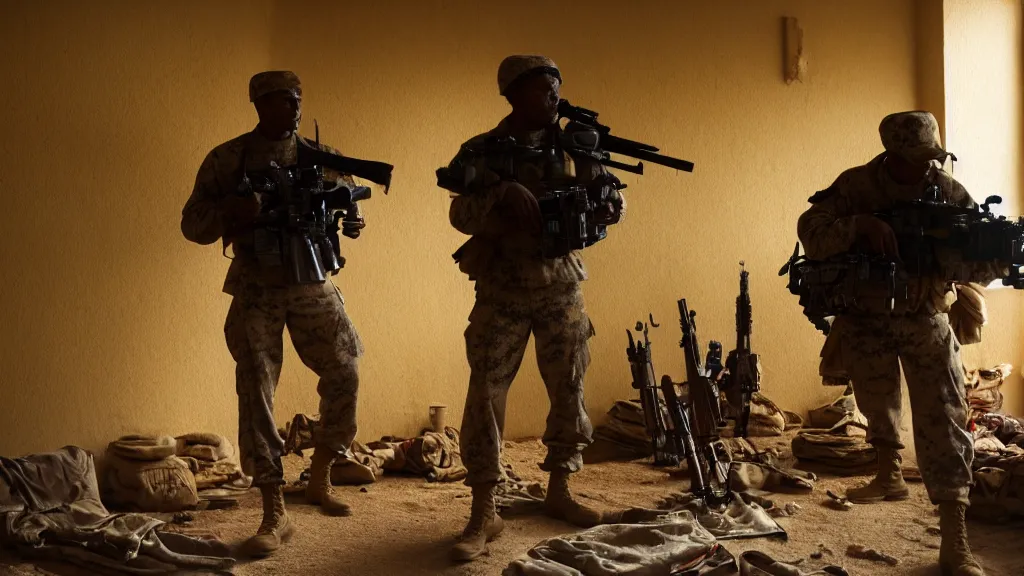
[50, 509]
[165, 474]
[968, 314]
[836, 439]
[983, 389]
[433, 455]
[764, 472]
[998, 491]
[672, 544]
[767, 419]
[1008, 430]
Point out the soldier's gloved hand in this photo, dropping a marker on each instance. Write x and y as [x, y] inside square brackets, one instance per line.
[240, 210]
[351, 226]
[520, 207]
[606, 213]
[879, 235]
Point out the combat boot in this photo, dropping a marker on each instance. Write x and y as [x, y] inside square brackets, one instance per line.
[484, 525]
[319, 490]
[955, 556]
[561, 505]
[888, 484]
[275, 529]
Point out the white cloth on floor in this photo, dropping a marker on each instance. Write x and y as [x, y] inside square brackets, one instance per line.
[670, 545]
[740, 518]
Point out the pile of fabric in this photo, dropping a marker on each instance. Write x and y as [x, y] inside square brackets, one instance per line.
[983, 389]
[166, 474]
[50, 509]
[672, 543]
[431, 455]
[763, 472]
[624, 430]
[836, 439]
[998, 491]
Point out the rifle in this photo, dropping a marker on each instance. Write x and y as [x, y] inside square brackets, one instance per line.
[696, 422]
[642, 368]
[923, 227]
[743, 365]
[298, 224]
[585, 135]
[567, 209]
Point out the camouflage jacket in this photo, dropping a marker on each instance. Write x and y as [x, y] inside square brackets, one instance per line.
[828, 228]
[513, 259]
[204, 222]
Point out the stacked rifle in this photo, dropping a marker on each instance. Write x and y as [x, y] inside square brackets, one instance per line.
[685, 427]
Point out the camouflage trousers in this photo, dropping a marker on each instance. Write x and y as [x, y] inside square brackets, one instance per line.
[327, 343]
[499, 330]
[873, 349]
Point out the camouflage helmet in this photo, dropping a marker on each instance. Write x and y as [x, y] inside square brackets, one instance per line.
[517, 67]
[274, 81]
[913, 135]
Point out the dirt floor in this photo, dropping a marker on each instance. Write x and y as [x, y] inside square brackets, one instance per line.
[405, 526]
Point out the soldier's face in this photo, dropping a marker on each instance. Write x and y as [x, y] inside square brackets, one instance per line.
[906, 171]
[536, 99]
[280, 111]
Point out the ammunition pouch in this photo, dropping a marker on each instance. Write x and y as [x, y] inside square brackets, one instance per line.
[844, 284]
[568, 222]
[567, 209]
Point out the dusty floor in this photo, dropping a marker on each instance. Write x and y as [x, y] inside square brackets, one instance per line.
[405, 526]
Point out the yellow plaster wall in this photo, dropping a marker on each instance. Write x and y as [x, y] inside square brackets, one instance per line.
[108, 108]
[983, 127]
[112, 322]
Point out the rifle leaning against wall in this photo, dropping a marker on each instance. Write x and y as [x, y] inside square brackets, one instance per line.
[744, 367]
[664, 442]
[696, 421]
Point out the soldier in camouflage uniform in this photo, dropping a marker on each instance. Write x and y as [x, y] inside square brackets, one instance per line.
[519, 292]
[917, 334]
[265, 302]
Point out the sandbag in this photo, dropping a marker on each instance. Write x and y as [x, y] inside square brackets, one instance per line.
[204, 446]
[137, 447]
[166, 485]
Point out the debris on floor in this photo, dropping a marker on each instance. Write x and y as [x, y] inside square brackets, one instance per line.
[821, 552]
[756, 563]
[790, 509]
[436, 456]
[837, 502]
[865, 553]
